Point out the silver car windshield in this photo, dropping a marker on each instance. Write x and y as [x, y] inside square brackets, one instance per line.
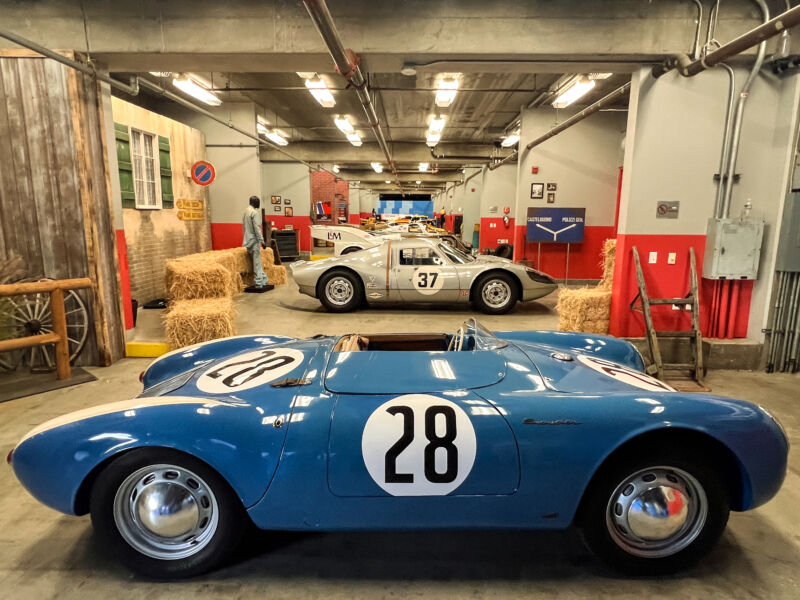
[455, 255]
[484, 339]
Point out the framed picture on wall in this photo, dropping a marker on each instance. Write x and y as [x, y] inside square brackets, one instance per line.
[276, 199]
[288, 211]
[278, 209]
[287, 201]
[551, 198]
[537, 191]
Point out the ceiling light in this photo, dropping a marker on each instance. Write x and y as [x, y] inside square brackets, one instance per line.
[275, 137]
[335, 168]
[418, 182]
[510, 140]
[160, 73]
[423, 167]
[600, 75]
[320, 91]
[354, 139]
[261, 128]
[387, 181]
[437, 124]
[378, 167]
[579, 87]
[446, 92]
[189, 86]
[409, 69]
[433, 138]
[344, 125]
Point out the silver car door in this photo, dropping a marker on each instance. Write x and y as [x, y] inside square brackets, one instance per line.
[424, 275]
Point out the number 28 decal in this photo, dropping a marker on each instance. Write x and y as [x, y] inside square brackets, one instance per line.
[418, 445]
[246, 371]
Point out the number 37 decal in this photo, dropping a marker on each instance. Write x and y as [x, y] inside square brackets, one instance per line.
[418, 445]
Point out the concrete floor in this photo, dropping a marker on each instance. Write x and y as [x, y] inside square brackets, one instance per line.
[44, 554]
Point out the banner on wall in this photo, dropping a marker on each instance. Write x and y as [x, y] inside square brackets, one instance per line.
[405, 207]
[562, 225]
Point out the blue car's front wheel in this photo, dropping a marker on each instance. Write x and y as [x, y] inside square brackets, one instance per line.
[165, 513]
[654, 514]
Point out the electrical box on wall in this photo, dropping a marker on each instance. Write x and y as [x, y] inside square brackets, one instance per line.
[733, 248]
[788, 256]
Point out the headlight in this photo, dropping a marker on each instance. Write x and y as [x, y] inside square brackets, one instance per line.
[538, 277]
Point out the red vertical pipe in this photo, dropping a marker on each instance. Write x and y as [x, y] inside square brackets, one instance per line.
[735, 288]
[723, 309]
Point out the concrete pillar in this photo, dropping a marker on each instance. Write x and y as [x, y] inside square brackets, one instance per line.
[498, 191]
[290, 185]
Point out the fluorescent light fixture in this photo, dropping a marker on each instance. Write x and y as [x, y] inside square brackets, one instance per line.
[377, 167]
[189, 86]
[335, 168]
[510, 140]
[423, 167]
[446, 92]
[262, 129]
[387, 181]
[160, 73]
[433, 138]
[600, 75]
[418, 181]
[437, 124]
[320, 91]
[275, 137]
[354, 139]
[579, 87]
[344, 125]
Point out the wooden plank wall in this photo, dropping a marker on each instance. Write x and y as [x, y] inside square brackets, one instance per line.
[48, 176]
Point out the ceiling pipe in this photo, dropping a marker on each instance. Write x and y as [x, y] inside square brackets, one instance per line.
[484, 159]
[577, 118]
[696, 46]
[688, 67]
[346, 62]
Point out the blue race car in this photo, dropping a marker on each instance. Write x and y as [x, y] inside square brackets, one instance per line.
[470, 430]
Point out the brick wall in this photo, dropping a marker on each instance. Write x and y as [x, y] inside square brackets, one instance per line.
[325, 187]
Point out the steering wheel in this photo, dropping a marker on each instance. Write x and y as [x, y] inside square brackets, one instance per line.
[457, 341]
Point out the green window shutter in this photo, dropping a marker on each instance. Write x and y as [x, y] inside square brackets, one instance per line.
[167, 199]
[123, 143]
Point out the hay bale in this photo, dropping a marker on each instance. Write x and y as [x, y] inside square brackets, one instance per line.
[609, 259]
[243, 262]
[584, 309]
[193, 279]
[277, 275]
[267, 258]
[194, 321]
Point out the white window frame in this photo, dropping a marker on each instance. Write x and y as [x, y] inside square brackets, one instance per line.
[141, 202]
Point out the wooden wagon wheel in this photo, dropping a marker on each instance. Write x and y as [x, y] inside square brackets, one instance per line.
[30, 314]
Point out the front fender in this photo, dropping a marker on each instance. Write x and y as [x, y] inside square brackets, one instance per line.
[53, 460]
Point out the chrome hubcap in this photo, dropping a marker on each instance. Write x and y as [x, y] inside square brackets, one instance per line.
[339, 290]
[496, 293]
[656, 512]
[166, 512]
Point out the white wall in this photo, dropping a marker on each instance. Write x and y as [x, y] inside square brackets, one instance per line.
[467, 201]
[287, 180]
[583, 161]
[498, 188]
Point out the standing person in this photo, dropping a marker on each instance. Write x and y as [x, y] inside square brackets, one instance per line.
[374, 215]
[442, 218]
[254, 241]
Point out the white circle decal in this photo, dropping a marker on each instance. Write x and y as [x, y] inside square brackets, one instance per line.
[246, 371]
[624, 374]
[427, 280]
[418, 445]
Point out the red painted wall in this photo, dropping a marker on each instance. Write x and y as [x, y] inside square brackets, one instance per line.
[124, 278]
[668, 281]
[229, 235]
[490, 235]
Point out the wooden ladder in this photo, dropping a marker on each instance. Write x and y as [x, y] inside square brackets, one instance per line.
[658, 366]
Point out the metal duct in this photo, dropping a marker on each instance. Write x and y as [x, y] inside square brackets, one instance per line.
[784, 327]
[589, 110]
[346, 62]
[688, 67]
[723, 159]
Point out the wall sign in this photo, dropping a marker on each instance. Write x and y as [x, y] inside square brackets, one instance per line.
[537, 191]
[551, 197]
[555, 224]
[667, 210]
[552, 187]
[203, 173]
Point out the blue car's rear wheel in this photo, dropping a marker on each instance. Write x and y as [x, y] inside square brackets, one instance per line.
[654, 515]
[166, 514]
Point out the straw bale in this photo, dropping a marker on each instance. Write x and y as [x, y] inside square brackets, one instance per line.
[584, 309]
[193, 321]
[609, 258]
[267, 258]
[243, 262]
[277, 275]
[192, 279]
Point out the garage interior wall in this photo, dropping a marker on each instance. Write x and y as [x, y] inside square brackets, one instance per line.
[498, 190]
[583, 161]
[55, 189]
[152, 236]
[290, 181]
[672, 153]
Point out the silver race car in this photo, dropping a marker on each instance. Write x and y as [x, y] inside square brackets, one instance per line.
[419, 269]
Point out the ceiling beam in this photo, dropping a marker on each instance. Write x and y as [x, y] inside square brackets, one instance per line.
[406, 154]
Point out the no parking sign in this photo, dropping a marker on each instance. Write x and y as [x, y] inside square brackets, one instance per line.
[203, 173]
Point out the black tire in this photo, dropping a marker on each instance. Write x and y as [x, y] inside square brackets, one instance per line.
[228, 527]
[504, 251]
[496, 293]
[350, 250]
[617, 547]
[340, 291]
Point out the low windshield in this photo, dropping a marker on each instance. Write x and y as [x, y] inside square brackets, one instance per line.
[484, 339]
[455, 255]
